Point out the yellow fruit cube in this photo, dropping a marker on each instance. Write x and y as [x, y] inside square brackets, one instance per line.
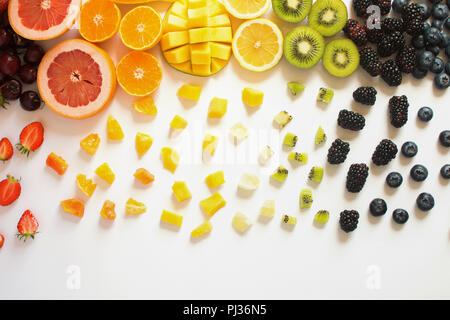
[108, 210]
[87, 186]
[215, 9]
[174, 23]
[185, 67]
[202, 69]
[190, 92]
[144, 176]
[289, 220]
[133, 207]
[90, 143]
[114, 129]
[268, 209]
[178, 55]
[200, 53]
[215, 179]
[197, 17]
[202, 229]
[212, 204]
[174, 39]
[104, 172]
[220, 50]
[221, 34]
[181, 191]
[239, 132]
[145, 105]
[178, 123]
[210, 144]
[170, 159]
[222, 20]
[199, 35]
[241, 222]
[179, 9]
[143, 142]
[194, 4]
[252, 97]
[172, 218]
[217, 64]
[217, 108]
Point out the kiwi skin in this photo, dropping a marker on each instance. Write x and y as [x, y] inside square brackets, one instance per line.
[311, 42]
[292, 10]
[347, 49]
[336, 8]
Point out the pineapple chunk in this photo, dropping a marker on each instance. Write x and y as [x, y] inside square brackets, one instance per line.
[133, 207]
[181, 191]
[202, 229]
[178, 55]
[174, 39]
[268, 209]
[217, 108]
[170, 159]
[282, 119]
[200, 53]
[190, 92]
[241, 222]
[220, 50]
[248, 182]
[174, 23]
[215, 179]
[178, 123]
[252, 97]
[105, 173]
[210, 144]
[172, 218]
[239, 132]
[213, 203]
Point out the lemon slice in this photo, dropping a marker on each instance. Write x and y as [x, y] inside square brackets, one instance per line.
[258, 45]
[248, 9]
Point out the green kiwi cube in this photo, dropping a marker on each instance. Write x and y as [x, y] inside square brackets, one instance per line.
[282, 118]
[299, 157]
[316, 174]
[325, 95]
[290, 140]
[295, 87]
[306, 199]
[321, 137]
[322, 216]
[280, 174]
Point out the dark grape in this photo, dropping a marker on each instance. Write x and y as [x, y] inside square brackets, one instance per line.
[4, 20]
[19, 42]
[34, 54]
[5, 38]
[3, 78]
[11, 90]
[28, 73]
[30, 101]
[9, 64]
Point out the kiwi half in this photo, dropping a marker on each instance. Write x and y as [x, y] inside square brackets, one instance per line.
[292, 10]
[303, 47]
[341, 57]
[328, 16]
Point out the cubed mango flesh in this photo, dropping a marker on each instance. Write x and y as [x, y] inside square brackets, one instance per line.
[104, 172]
[174, 23]
[170, 159]
[200, 53]
[210, 143]
[174, 39]
[190, 92]
[172, 218]
[220, 50]
[178, 123]
[213, 203]
[181, 191]
[252, 97]
[202, 229]
[217, 108]
[215, 179]
[178, 55]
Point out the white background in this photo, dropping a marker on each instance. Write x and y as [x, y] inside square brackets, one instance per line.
[138, 257]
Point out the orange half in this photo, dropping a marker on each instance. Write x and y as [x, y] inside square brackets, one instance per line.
[99, 20]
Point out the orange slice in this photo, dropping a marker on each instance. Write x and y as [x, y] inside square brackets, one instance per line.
[42, 19]
[141, 28]
[145, 105]
[76, 79]
[139, 73]
[99, 20]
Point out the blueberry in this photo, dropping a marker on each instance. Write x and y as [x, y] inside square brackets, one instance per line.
[444, 138]
[425, 114]
[432, 36]
[409, 149]
[447, 23]
[440, 11]
[447, 67]
[445, 171]
[419, 74]
[447, 51]
[426, 26]
[424, 60]
[419, 173]
[433, 49]
[394, 179]
[378, 207]
[425, 10]
[438, 24]
[435, 1]
[425, 201]
[442, 81]
[398, 5]
[400, 216]
[437, 66]
[418, 42]
[445, 40]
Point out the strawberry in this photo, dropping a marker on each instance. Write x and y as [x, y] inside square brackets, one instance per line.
[9, 190]
[2, 240]
[6, 149]
[31, 138]
[27, 226]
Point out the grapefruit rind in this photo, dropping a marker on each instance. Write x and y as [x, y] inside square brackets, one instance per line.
[107, 88]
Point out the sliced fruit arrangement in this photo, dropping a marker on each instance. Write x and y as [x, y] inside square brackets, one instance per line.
[99, 20]
[197, 36]
[258, 45]
[76, 79]
[248, 9]
[27, 227]
[42, 20]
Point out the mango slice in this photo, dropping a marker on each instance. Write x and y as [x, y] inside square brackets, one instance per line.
[190, 92]
[90, 143]
[114, 130]
[172, 218]
[215, 179]
[104, 172]
[170, 159]
[108, 210]
[252, 97]
[181, 191]
[217, 108]
[202, 229]
[213, 204]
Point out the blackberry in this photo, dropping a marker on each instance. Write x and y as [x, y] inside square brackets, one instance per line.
[414, 27]
[368, 59]
[361, 6]
[398, 109]
[349, 220]
[406, 59]
[384, 152]
[412, 12]
[356, 177]
[365, 95]
[384, 5]
[355, 32]
[374, 35]
[391, 74]
[389, 25]
[351, 120]
[338, 151]
[390, 44]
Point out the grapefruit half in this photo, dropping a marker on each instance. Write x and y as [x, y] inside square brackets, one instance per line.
[42, 19]
[76, 79]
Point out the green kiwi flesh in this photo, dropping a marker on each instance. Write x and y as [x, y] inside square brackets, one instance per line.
[328, 16]
[303, 47]
[292, 10]
[341, 57]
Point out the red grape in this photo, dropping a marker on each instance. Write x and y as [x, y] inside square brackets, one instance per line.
[11, 90]
[9, 64]
[30, 101]
[34, 54]
[28, 73]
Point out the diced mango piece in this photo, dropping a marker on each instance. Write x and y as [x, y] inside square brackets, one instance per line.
[216, 8]
[217, 108]
[172, 218]
[193, 4]
[202, 229]
[104, 172]
[210, 143]
[144, 176]
[87, 186]
[217, 64]
[90, 143]
[57, 163]
[248, 182]
[114, 129]
[215, 179]
[170, 159]
[190, 92]
[252, 97]
[174, 23]
[200, 53]
[220, 34]
[268, 209]
[181, 191]
[145, 105]
[178, 55]
[241, 222]
[220, 50]
[108, 210]
[133, 207]
[202, 69]
[239, 132]
[178, 123]
[199, 35]
[143, 142]
[174, 39]
[197, 17]
[213, 203]
[185, 67]
[222, 20]
[179, 9]
[74, 207]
